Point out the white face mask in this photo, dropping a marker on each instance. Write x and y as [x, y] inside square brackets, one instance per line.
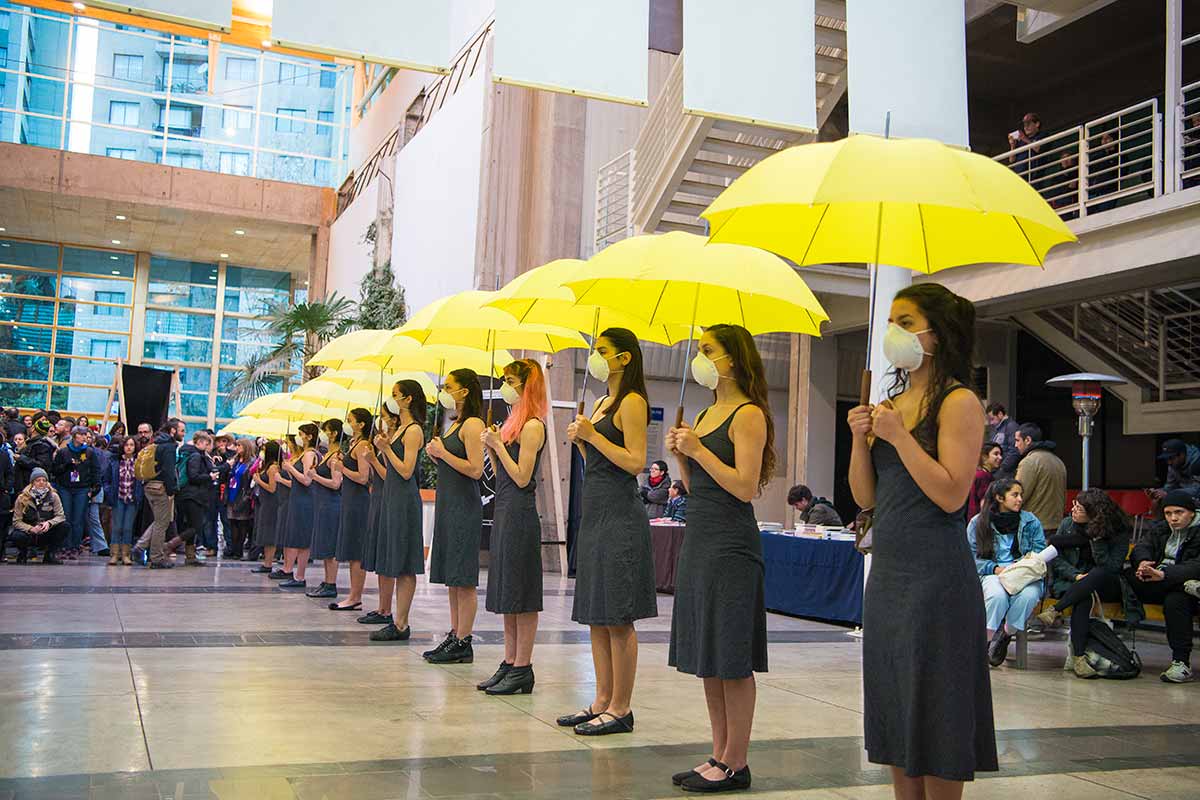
[392, 405]
[902, 348]
[704, 370]
[323, 438]
[598, 366]
[510, 394]
[446, 399]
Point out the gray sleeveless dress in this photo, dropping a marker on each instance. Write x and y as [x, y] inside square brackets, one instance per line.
[926, 689]
[457, 522]
[719, 624]
[283, 503]
[515, 567]
[356, 506]
[399, 547]
[371, 537]
[299, 530]
[614, 579]
[328, 515]
[265, 522]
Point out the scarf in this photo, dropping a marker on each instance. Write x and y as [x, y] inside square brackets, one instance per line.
[76, 449]
[655, 482]
[37, 493]
[1006, 522]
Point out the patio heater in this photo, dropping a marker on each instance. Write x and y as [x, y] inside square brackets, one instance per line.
[1086, 390]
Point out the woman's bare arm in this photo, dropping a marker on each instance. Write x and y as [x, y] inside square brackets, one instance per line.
[532, 437]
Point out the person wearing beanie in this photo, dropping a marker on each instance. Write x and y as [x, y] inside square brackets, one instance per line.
[1165, 568]
[38, 519]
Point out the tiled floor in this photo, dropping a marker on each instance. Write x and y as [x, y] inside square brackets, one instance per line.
[125, 683]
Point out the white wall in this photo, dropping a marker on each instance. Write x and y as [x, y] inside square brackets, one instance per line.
[385, 113]
[349, 256]
[436, 209]
[822, 417]
[466, 18]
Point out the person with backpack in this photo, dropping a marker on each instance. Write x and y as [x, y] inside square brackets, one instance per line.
[196, 477]
[1165, 568]
[999, 536]
[1091, 545]
[155, 465]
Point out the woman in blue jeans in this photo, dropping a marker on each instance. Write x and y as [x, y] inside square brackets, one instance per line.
[999, 535]
[123, 493]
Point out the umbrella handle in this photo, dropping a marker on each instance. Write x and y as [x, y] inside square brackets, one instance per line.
[864, 392]
[579, 409]
[679, 417]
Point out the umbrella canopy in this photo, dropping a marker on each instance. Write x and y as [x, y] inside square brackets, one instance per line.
[258, 426]
[914, 203]
[359, 387]
[539, 297]
[465, 320]
[348, 347]
[405, 353]
[284, 406]
[676, 278]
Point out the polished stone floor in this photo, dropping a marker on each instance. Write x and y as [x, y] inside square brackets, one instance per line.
[213, 683]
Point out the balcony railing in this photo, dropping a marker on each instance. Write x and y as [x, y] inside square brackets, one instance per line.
[180, 87]
[1110, 161]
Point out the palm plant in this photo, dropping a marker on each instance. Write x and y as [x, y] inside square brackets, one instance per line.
[300, 331]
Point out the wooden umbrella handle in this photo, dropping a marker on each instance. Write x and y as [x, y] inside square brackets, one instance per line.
[864, 392]
[679, 417]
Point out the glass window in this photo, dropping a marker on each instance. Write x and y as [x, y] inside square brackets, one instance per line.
[106, 348]
[237, 118]
[20, 281]
[20, 309]
[36, 131]
[110, 297]
[89, 289]
[127, 66]
[33, 368]
[183, 158]
[194, 379]
[292, 74]
[240, 69]
[189, 73]
[190, 284]
[178, 117]
[290, 120]
[83, 370]
[82, 399]
[79, 343]
[25, 338]
[93, 317]
[325, 116]
[98, 262]
[194, 405]
[328, 76]
[235, 163]
[121, 112]
[192, 350]
[29, 254]
[23, 395]
[121, 152]
[178, 323]
[252, 291]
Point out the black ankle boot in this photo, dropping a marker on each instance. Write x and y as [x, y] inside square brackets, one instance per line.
[519, 680]
[449, 640]
[459, 652]
[498, 676]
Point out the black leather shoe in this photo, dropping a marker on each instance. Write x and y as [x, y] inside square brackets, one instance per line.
[390, 633]
[375, 618]
[497, 676]
[998, 649]
[449, 640]
[293, 583]
[680, 777]
[608, 723]
[164, 564]
[732, 782]
[324, 590]
[519, 680]
[578, 718]
[279, 575]
[459, 652]
[261, 569]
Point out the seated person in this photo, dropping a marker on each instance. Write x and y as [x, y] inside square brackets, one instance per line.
[998, 536]
[1091, 545]
[1164, 565]
[677, 505]
[38, 519]
[813, 510]
[654, 491]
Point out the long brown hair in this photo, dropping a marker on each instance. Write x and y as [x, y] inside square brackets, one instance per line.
[1105, 517]
[633, 379]
[985, 541]
[751, 378]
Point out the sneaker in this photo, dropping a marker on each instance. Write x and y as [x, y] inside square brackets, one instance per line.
[324, 590]
[390, 633]
[1192, 588]
[293, 583]
[449, 640]
[375, 618]
[280, 575]
[1069, 664]
[1082, 668]
[998, 649]
[1178, 672]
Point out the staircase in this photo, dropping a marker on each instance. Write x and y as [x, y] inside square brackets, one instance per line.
[682, 161]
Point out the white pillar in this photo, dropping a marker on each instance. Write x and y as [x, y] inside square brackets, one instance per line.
[1172, 96]
[886, 281]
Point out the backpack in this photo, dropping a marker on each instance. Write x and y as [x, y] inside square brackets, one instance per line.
[181, 476]
[1108, 655]
[143, 465]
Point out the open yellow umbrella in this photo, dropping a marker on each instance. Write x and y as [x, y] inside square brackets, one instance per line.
[914, 203]
[386, 350]
[284, 406]
[257, 426]
[677, 278]
[358, 387]
[348, 348]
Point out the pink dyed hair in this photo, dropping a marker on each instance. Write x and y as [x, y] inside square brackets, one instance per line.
[533, 398]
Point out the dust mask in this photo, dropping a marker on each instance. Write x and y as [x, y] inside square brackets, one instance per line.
[510, 394]
[598, 366]
[902, 348]
[704, 370]
[446, 400]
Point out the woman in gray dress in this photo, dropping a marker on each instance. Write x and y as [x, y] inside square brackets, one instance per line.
[458, 513]
[719, 624]
[355, 470]
[265, 519]
[400, 547]
[927, 695]
[614, 580]
[376, 461]
[515, 554]
[283, 498]
[298, 535]
[327, 502]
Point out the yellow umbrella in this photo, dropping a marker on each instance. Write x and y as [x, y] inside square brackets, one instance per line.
[348, 347]
[358, 387]
[287, 408]
[465, 320]
[387, 350]
[914, 203]
[258, 426]
[260, 405]
[676, 278]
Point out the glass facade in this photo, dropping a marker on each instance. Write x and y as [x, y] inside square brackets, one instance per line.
[89, 86]
[67, 315]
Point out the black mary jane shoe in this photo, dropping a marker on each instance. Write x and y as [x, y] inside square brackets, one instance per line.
[680, 777]
[578, 718]
[497, 676]
[732, 782]
[609, 723]
[351, 607]
[375, 618]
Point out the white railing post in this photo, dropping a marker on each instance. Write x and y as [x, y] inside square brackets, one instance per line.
[1156, 150]
[1083, 171]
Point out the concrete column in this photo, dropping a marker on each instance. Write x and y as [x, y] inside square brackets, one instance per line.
[885, 282]
[799, 393]
[141, 286]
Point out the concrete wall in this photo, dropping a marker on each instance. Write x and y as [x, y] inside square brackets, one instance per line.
[349, 255]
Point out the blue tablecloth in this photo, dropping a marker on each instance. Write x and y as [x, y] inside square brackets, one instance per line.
[813, 577]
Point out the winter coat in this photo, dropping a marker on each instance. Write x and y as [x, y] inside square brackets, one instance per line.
[77, 470]
[1005, 435]
[38, 452]
[821, 512]
[164, 462]
[656, 497]
[27, 511]
[1043, 477]
[1153, 546]
[1107, 552]
[1030, 539]
[1185, 477]
[199, 487]
[112, 480]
